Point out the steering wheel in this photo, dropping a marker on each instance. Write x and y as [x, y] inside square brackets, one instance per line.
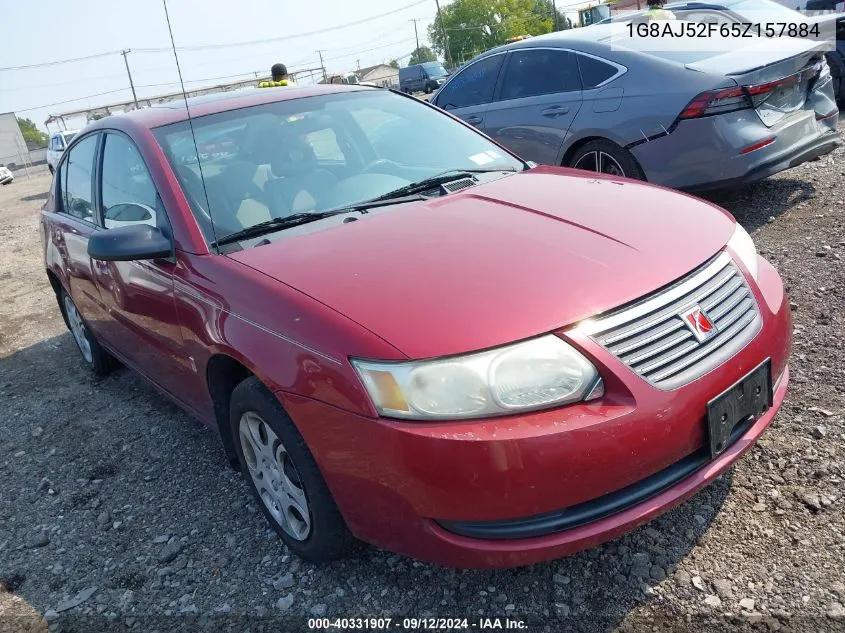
[379, 164]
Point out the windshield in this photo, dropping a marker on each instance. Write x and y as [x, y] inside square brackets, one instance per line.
[434, 69]
[314, 154]
[68, 137]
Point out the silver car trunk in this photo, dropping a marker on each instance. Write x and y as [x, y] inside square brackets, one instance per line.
[779, 81]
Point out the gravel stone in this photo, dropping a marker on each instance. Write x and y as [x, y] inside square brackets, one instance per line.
[39, 539]
[284, 582]
[713, 601]
[747, 604]
[723, 588]
[836, 611]
[169, 552]
[285, 603]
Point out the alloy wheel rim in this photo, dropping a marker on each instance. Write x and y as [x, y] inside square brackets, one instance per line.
[601, 162]
[77, 328]
[275, 476]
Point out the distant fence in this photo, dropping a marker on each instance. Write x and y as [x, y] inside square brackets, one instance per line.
[17, 161]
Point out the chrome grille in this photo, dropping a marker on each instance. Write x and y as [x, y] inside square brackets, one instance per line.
[651, 338]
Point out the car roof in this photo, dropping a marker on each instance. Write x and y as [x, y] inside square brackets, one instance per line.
[589, 39]
[175, 111]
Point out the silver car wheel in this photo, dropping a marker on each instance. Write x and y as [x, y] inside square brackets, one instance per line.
[275, 476]
[77, 328]
[600, 162]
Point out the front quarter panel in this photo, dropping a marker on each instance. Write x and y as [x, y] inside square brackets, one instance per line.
[291, 342]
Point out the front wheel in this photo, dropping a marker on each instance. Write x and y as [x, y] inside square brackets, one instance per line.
[283, 476]
[99, 360]
[606, 157]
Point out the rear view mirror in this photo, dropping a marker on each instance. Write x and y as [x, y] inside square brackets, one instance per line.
[129, 243]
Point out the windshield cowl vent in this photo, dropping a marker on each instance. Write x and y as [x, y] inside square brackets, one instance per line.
[457, 185]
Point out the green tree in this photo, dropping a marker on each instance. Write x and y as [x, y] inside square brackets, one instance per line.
[421, 55]
[474, 26]
[34, 137]
[394, 63]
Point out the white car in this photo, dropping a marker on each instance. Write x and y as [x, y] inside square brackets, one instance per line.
[6, 176]
[58, 142]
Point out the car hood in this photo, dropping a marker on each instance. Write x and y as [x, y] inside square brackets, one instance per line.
[502, 261]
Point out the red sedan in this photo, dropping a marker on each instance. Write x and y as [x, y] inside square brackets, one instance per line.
[406, 335]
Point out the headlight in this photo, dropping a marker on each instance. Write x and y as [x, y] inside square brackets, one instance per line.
[536, 374]
[743, 247]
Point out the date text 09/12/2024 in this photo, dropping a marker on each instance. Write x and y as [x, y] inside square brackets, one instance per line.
[417, 624]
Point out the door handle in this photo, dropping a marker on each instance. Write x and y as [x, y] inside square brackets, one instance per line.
[473, 120]
[554, 111]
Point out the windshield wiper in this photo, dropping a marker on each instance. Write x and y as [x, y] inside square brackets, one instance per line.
[439, 179]
[276, 224]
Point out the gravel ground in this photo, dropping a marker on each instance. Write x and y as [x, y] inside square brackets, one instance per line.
[119, 512]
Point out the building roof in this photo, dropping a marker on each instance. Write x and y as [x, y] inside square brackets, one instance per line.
[363, 72]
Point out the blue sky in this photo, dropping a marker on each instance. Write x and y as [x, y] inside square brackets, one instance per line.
[38, 31]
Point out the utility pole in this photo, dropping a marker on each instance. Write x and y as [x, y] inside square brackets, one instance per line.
[554, 8]
[445, 36]
[359, 63]
[416, 34]
[128, 72]
[323, 66]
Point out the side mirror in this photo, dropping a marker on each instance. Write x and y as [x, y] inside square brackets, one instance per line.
[129, 243]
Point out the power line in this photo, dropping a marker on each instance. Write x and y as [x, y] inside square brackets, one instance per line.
[217, 46]
[50, 105]
[368, 50]
[268, 40]
[60, 61]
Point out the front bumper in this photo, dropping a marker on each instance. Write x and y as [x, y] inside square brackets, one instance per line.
[405, 486]
[5, 180]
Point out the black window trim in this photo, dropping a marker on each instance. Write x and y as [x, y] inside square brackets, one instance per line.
[466, 68]
[63, 161]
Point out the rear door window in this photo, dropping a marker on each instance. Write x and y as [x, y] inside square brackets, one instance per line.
[534, 72]
[474, 85]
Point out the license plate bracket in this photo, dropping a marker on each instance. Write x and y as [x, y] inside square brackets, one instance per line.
[749, 397]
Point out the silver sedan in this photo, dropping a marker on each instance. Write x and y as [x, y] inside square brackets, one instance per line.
[685, 119]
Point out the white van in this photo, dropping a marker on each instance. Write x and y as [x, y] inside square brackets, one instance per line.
[56, 147]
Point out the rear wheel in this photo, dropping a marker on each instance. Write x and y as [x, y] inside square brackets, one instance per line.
[101, 362]
[606, 157]
[283, 476]
[52, 171]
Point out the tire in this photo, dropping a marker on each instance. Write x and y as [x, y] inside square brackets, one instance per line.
[52, 171]
[615, 160]
[98, 359]
[428, 89]
[278, 466]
